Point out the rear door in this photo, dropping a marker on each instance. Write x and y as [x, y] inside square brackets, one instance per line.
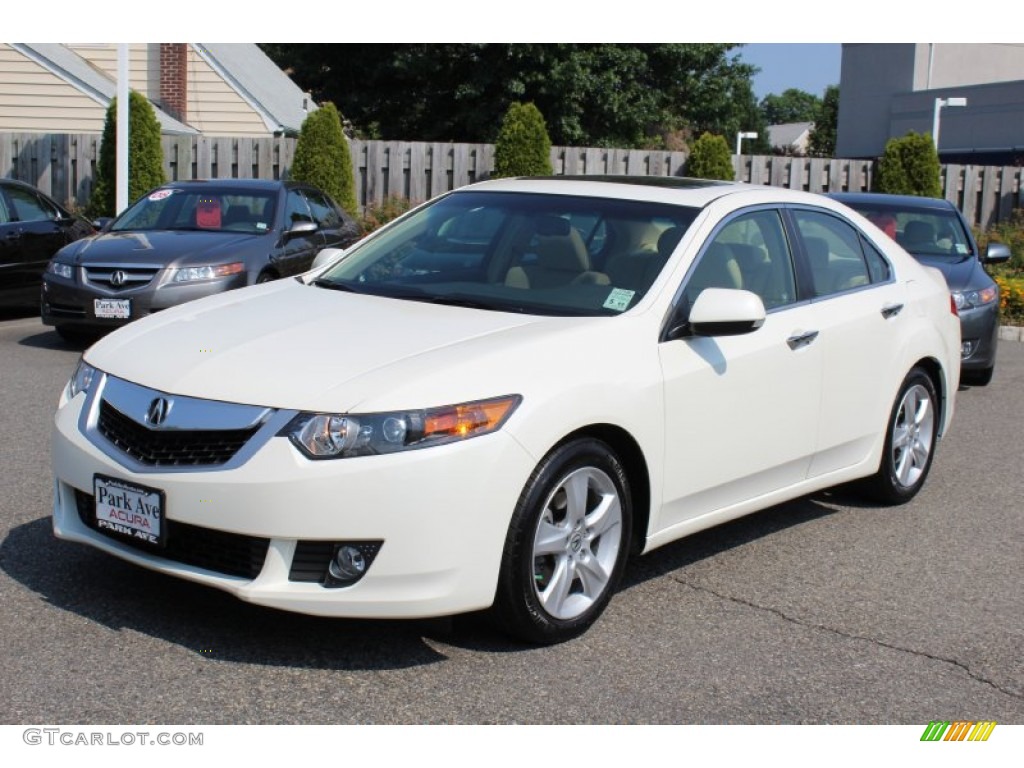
[30, 233]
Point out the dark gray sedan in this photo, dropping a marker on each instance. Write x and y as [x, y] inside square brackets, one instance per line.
[936, 234]
[186, 240]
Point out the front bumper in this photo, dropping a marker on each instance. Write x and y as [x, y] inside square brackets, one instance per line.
[979, 328]
[72, 302]
[442, 514]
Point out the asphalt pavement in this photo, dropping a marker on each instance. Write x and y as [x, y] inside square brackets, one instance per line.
[823, 610]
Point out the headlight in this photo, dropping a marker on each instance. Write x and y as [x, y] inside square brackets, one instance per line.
[189, 274]
[340, 436]
[61, 270]
[972, 299]
[81, 379]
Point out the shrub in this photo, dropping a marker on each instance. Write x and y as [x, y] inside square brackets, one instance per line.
[909, 166]
[379, 214]
[145, 156]
[523, 147]
[1010, 232]
[1011, 299]
[710, 159]
[322, 157]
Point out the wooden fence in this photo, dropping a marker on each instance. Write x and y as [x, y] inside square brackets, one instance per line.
[63, 165]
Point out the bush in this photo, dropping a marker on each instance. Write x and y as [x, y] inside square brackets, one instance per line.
[145, 156]
[1011, 299]
[1010, 232]
[379, 214]
[910, 166]
[710, 159]
[322, 157]
[523, 147]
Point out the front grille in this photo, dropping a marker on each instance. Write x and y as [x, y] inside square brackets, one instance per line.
[120, 278]
[172, 447]
[230, 554]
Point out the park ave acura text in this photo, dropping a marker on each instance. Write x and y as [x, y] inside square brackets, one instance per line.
[492, 401]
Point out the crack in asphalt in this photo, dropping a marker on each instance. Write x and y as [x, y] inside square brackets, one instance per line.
[874, 641]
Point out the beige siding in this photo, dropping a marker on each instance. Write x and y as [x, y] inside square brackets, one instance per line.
[143, 58]
[33, 99]
[214, 107]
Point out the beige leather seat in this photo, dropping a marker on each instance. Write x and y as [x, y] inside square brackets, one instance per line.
[561, 260]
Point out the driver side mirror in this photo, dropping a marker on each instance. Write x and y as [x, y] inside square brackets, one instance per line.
[721, 312]
[996, 253]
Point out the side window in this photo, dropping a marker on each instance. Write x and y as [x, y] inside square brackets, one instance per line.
[750, 252]
[878, 267]
[834, 253]
[5, 216]
[324, 213]
[297, 210]
[28, 207]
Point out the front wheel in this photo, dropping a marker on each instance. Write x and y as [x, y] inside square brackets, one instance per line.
[909, 441]
[567, 544]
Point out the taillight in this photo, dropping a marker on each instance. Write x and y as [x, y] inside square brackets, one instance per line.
[952, 306]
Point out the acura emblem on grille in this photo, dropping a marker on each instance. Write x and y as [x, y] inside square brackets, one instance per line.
[117, 277]
[158, 410]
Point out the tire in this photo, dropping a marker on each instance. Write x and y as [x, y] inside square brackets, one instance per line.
[980, 378]
[567, 544]
[265, 277]
[910, 440]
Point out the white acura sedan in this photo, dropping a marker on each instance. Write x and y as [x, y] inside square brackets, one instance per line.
[494, 400]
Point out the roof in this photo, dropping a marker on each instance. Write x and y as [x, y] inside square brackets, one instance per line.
[788, 134]
[76, 71]
[894, 201]
[266, 88]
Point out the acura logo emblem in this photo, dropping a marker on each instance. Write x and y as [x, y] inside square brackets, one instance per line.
[117, 278]
[158, 410]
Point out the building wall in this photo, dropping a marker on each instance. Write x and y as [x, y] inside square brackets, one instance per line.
[32, 99]
[887, 90]
[214, 107]
[143, 59]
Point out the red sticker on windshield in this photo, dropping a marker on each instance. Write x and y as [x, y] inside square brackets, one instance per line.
[160, 194]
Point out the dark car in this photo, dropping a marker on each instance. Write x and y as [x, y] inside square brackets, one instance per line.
[32, 228]
[186, 240]
[936, 234]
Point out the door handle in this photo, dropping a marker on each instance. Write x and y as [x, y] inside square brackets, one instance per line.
[891, 310]
[801, 339]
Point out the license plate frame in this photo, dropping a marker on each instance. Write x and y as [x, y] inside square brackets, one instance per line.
[112, 309]
[129, 511]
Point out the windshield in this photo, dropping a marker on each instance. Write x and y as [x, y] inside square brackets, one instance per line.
[519, 252]
[208, 209]
[924, 232]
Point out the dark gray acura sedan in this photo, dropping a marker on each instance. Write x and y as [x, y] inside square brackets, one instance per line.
[935, 233]
[186, 240]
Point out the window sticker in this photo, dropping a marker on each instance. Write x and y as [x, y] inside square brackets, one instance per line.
[161, 194]
[961, 248]
[619, 299]
[261, 225]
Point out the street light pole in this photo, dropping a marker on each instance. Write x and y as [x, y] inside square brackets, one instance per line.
[955, 101]
[744, 135]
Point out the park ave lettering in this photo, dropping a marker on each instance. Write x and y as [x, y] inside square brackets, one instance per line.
[120, 507]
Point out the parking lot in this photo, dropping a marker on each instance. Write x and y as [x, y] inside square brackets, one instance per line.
[823, 610]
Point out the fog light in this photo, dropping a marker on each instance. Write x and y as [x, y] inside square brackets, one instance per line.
[348, 564]
[967, 349]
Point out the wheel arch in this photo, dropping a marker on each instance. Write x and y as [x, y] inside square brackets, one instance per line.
[634, 463]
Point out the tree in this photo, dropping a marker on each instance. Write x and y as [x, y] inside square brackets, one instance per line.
[145, 156]
[822, 141]
[523, 147]
[322, 157]
[910, 166]
[590, 94]
[710, 159]
[792, 106]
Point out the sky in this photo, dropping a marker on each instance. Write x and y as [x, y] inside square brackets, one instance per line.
[811, 67]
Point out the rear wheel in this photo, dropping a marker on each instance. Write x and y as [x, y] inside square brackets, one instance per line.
[567, 544]
[909, 441]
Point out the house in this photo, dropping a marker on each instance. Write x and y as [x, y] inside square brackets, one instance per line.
[889, 89]
[790, 138]
[210, 89]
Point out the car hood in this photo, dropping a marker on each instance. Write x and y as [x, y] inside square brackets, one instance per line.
[160, 247]
[963, 274]
[289, 345]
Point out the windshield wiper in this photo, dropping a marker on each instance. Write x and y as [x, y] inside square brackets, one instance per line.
[334, 286]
